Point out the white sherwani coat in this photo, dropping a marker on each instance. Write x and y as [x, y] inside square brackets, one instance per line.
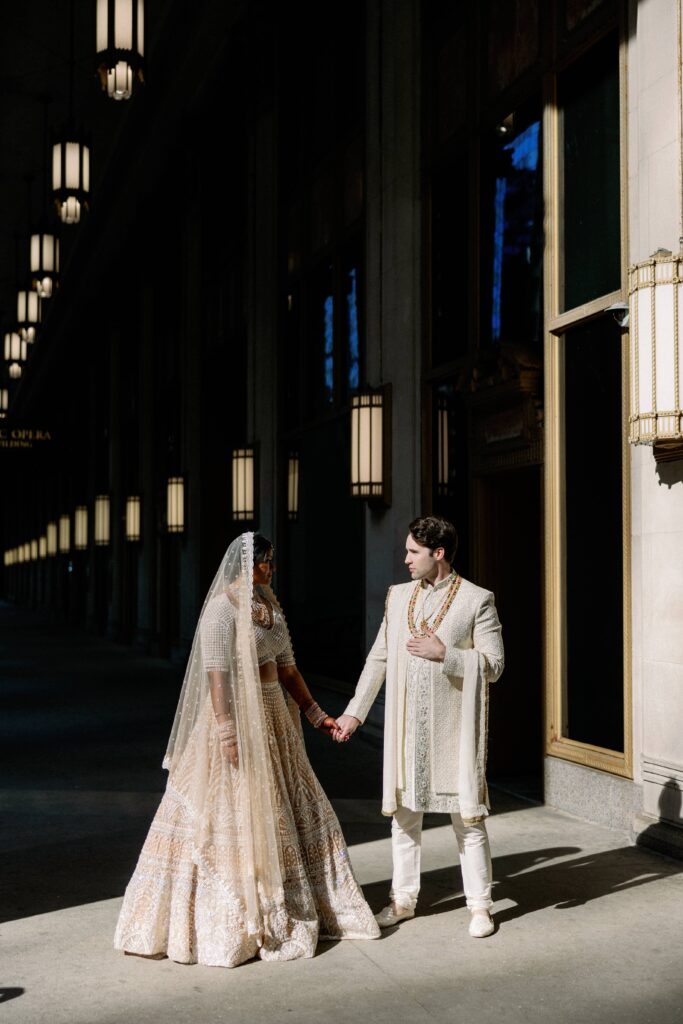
[455, 692]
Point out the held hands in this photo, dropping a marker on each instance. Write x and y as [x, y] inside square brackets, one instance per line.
[325, 723]
[346, 726]
[429, 646]
[329, 726]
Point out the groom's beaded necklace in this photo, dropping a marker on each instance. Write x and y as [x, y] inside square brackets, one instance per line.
[442, 611]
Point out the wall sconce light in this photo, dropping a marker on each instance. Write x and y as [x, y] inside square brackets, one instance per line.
[371, 445]
[442, 446]
[28, 314]
[64, 535]
[120, 46]
[293, 486]
[4, 402]
[51, 534]
[133, 518]
[81, 528]
[102, 519]
[44, 262]
[34, 550]
[175, 504]
[655, 321]
[42, 547]
[243, 484]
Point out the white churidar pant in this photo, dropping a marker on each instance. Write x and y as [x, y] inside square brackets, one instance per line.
[475, 859]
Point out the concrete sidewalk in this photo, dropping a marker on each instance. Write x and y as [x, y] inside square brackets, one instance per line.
[590, 929]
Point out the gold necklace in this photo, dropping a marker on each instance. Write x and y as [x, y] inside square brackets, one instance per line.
[441, 612]
[262, 612]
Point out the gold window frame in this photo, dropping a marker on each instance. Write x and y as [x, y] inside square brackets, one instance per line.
[557, 322]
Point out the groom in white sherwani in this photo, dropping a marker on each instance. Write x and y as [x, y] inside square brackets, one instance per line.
[439, 646]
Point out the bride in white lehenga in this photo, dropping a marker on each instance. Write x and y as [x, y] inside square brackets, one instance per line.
[245, 856]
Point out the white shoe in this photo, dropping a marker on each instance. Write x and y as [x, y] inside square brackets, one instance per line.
[392, 914]
[481, 925]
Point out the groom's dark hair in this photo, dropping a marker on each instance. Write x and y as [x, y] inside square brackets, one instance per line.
[434, 532]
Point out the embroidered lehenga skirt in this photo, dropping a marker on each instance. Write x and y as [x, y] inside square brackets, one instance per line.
[175, 905]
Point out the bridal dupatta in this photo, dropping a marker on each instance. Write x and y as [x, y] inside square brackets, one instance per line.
[223, 671]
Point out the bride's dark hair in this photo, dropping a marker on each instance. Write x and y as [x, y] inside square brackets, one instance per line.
[262, 548]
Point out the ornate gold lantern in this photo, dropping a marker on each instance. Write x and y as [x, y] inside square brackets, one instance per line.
[656, 339]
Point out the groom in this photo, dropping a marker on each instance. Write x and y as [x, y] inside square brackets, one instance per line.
[439, 646]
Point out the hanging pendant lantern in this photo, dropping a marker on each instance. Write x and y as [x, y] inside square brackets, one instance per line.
[70, 177]
[243, 484]
[34, 550]
[14, 371]
[175, 504]
[370, 444]
[42, 547]
[120, 46]
[44, 263]
[28, 314]
[16, 350]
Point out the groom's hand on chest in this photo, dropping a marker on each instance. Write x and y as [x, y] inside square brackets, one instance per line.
[428, 646]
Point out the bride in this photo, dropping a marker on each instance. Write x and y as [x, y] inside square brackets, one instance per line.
[245, 856]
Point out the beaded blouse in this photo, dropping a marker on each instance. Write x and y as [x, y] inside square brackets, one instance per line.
[272, 644]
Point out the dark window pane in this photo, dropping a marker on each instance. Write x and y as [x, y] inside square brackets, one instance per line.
[517, 240]
[589, 109]
[292, 363]
[595, 667]
[577, 10]
[449, 264]
[450, 495]
[320, 343]
[513, 40]
[352, 336]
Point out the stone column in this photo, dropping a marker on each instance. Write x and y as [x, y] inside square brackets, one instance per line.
[394, 256]
[654, 180]
[117, 497]
[262, 315]
[147, 561]
[191, 357]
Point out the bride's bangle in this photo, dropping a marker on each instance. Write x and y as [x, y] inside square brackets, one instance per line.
[315, 715]
[227, 733]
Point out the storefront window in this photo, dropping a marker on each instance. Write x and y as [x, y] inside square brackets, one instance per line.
[588, 95]
[594, 541]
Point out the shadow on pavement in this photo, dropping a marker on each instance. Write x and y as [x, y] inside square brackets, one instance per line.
[532, 883]
[10, 993]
